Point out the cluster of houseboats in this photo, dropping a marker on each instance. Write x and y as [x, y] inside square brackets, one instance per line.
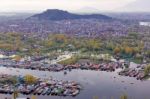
[138, 74]
[109, 66]
[41, 87]
[42, 65]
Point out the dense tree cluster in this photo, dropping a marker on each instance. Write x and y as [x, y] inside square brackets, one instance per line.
[125, 47]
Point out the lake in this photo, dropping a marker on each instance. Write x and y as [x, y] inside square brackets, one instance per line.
[105, 85]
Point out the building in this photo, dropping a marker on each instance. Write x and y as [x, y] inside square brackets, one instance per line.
[144, 23]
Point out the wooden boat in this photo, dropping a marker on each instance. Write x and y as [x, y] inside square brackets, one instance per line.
[40, 91]
[45, 91]
[49, 91]
[76, 92]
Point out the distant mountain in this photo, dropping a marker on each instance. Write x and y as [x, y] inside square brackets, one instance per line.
[8, 16]
[55, 14]
[136, 6]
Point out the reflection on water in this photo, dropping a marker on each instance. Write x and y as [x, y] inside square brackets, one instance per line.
[95, 83]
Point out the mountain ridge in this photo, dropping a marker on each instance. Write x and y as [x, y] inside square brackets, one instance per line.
[56, 15]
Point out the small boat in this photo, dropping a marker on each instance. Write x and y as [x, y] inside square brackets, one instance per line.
[67, 93]
[65, 72]
[140, 76]
[76, 92]
[49, 91]
[36, 91]
[45, 91]
[40, 91]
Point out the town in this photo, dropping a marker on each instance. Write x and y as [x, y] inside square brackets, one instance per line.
[55, 50]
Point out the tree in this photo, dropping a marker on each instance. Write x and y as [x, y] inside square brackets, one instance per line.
[128, 50]
[6, 46]
[136, 50]
[141, 45]
[12, 80]
[124, 97]
[60, 38]
[93, 44]
[29, 79]
[148, 53]
[110, 46]
[147, 70]
[117, 50]
[133, 34]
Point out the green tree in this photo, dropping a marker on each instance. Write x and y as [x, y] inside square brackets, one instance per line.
[128, 50]
[29, 79]
[93, 44]
[117, 50]
[147, 69]
[124, 97]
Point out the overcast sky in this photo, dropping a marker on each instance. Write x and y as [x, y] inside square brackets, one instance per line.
[40, 5]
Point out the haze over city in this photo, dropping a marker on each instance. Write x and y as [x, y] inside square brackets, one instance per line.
[75, 5]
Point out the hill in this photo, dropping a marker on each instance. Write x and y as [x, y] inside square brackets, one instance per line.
[56, 15]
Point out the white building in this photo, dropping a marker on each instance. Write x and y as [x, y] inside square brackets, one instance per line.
[144, 23]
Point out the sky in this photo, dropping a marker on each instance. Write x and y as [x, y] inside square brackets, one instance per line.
[70, 5]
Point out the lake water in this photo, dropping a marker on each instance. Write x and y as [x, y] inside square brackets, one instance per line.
[105, 85]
